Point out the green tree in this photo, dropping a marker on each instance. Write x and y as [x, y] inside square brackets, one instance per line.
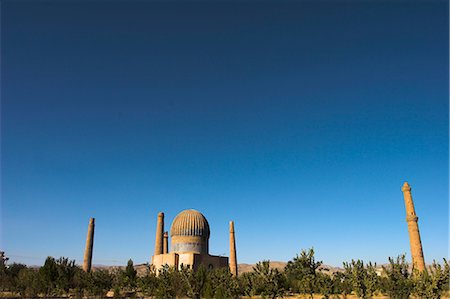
[247, 285]
[170, 283]
[342, 284]
[208, 292]
[80, 284]
[130, 275]
[372, 280]
[12, 273]
[222, 283]
[433, 282]
[5, 280]
[29, 283]
[363, 278]
[66, 271]
[99, 282]
[301, 273]
[3, 260]
[118, 282]
[397, 283]
[195, 280]
[48, 275]
[124, 280]
[57, 277]
[149, 282]
[269, 282]
[325, 285]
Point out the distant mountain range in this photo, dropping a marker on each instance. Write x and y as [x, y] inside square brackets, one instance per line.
[243, 268]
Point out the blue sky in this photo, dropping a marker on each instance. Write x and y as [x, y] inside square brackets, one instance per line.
[299, 120]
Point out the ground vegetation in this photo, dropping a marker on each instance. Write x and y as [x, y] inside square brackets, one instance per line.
[302, 277]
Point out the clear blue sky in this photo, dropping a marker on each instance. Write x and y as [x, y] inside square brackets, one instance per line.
[299, 120]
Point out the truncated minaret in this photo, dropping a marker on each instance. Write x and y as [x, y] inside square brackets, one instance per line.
[233, 259]
[159, 234]
[413, 229]
[166, 243]
[87, 263]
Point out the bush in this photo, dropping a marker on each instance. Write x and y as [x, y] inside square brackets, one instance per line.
[29, 283]
[301, 273]
[222, 284]
[397, 283]
[63, 278]
[170, 283]
[268, 282]
[433, 282]
[149, 282]
[363, 278]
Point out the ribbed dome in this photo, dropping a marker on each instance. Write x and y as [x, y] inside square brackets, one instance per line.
[190, 223]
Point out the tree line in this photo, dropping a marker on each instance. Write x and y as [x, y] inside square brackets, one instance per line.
[301, 276]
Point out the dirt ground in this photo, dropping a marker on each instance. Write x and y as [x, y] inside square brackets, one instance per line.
[348, 297]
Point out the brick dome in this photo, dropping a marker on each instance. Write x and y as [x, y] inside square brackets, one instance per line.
[190, 223]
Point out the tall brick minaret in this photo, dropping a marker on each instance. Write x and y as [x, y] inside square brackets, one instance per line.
[413, 229]
[166, 243]
[233, 259]
[87, 262]
[159, 241]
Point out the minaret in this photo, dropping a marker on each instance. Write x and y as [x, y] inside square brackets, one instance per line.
[87, 263]
[166, 243]
[413, 229]
[233, 260]
[159, 234]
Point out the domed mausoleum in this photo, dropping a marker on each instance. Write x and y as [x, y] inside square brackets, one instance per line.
[190, 232]
[189, 236]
